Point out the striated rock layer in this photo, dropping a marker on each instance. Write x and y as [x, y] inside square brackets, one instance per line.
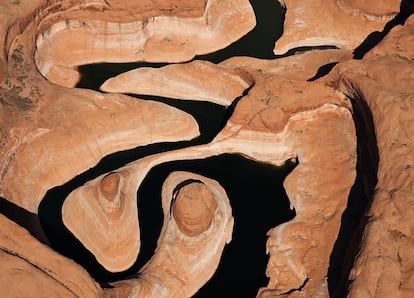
[341, 23]
[280, 119]
[30, 268]
[111, 218]
[382, 9]
[72, 133]
[45, 128]
[157, 39]
[197, 80]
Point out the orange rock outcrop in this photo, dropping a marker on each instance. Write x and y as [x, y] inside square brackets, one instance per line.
[340, 23]
[384, 266]
[175, 270]
[29, 268]
[110, 216]
[194, 209]
[342, 119]
[256, 132]
[160, 38]
[198, 80]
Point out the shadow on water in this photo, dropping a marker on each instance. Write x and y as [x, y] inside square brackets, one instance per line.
[323, 71]
[353, 220]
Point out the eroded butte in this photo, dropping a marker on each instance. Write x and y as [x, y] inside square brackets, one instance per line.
[344, 116]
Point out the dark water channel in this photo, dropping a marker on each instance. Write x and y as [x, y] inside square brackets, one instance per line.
[255, 189]
[258, 201]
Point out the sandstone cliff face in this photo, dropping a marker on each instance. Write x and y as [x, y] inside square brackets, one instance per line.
[294, 108]
[31, 269]
[386, 259]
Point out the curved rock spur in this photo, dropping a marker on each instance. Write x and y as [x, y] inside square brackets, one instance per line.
[30, 268]
[156, 39]
[105, 220]
[74, 133]
[197, 225]
[196, 80]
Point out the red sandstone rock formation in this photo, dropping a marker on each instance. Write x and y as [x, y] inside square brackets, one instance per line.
[75, 125]
[101, 209]
[256, 132]
[197, 80]
[161, 38]
[341, 23]
[30, 268]
[184, 259]
[50, 133]
[384, 266]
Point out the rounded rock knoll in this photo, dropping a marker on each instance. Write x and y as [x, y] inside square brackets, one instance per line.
[194, 209]
[109, 186]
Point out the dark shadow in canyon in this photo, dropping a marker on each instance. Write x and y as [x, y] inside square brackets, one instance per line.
[374, 38]
[354, 217]
[210, 118]
[322, 71]
[23, 218]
